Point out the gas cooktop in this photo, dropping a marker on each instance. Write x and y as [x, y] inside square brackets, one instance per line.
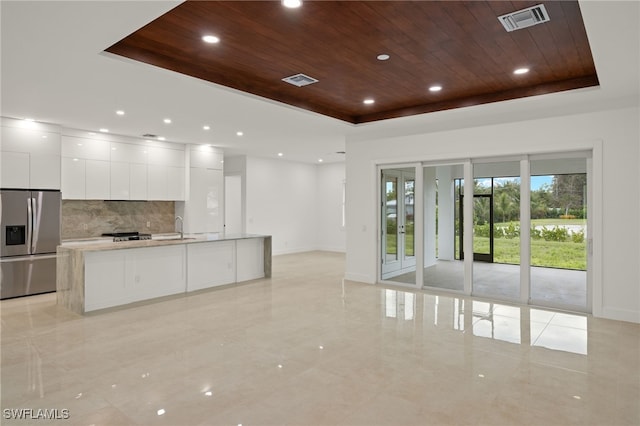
[127, 236]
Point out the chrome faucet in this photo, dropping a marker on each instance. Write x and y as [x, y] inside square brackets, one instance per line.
[181, 226]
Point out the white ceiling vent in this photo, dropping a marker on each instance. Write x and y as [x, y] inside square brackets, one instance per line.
[300, 80]
[524, 18]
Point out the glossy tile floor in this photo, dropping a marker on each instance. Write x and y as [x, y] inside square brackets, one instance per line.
[562, 287]
[306, 348]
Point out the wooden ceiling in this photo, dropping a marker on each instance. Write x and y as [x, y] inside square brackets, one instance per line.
[459, 45]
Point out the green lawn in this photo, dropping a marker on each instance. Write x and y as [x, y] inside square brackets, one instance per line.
[551, 254]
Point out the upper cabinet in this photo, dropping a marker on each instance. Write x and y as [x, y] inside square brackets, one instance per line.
[204, 205]
[122, 171]
[29, 155]
[206, 157]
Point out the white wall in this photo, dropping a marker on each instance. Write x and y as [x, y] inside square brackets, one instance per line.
[298, 204]
[616, 133]
[330, 235]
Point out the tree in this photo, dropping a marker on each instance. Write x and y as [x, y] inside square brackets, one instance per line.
[569, 191]
[504, 206]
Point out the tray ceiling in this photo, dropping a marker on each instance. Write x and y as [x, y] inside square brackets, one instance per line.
[460, 46]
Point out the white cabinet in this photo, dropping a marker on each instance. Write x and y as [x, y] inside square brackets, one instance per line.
[123, 171]
[15, 170]
[44, 171]
[157, 271]
[157, 182]
[97, 183]
[138, 182]
[73, 180]
[206, 157]
[85, 148]
[118, 277]
[120, 177]
[105, 278]
[85, 169]
[30, 156]
[165, 156]
[211, 264]
[250, 259]
[205, 204]
[175, 183]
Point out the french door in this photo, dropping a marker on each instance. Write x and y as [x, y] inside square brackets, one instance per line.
[398, 230]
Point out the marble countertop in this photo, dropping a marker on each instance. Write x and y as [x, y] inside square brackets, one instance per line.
[99, 244]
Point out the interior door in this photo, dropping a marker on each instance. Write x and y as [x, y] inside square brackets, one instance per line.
[398, 230]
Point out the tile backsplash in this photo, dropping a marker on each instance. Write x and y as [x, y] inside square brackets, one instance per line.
[85, 219]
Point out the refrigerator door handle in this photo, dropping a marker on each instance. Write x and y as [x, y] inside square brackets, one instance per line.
[29, 223]
[36, 212]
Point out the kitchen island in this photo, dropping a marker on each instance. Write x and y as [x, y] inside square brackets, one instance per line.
[99, 274]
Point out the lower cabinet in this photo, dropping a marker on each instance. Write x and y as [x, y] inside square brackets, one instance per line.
[250, 255]
[211, 264]
[118, 277]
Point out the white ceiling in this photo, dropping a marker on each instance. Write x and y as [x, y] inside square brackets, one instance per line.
[53, 71]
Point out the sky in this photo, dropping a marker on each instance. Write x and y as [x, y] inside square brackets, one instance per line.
[538, 181]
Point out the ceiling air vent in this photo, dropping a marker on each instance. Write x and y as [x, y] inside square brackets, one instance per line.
[300, 80]
[524, 18]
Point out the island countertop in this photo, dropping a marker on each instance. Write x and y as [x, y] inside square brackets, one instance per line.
[98, 273]
[107, 243]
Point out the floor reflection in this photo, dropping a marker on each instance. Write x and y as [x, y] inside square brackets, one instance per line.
[520, 325]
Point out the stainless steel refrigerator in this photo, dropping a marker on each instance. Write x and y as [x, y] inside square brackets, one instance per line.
[30, 226]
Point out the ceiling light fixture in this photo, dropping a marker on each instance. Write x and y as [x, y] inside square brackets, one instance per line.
[368, 101]
[383, 57]
[167, 121]
[30, 120]
[292, 4]
[520, 71]
[280, 154]
[120, 112]
[161, 138]
[211, 39]
[239, 133]
[206, 127]
[104, 130]
[320, 160]
[435, 88]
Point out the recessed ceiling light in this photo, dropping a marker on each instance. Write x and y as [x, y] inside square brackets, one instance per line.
[210, 39]
[104, 130]
[206, 127]
[239, 133]
[167, 121]
[521, 71]
[120, 112]
[30, 120]
[320, 160]
[280, 154]
[161, 138]
[292, 4]
[383, 57]
[435, 88]
[368, 101]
